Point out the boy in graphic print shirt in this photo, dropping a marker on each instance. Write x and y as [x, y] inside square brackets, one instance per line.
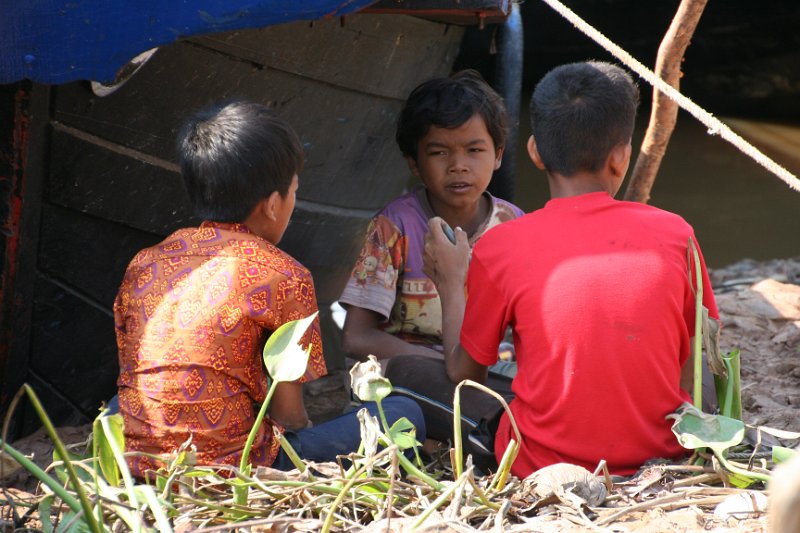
[452, 132]
[193, 312]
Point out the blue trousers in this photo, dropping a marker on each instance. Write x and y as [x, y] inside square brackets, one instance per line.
[339, 436]
[342, 434]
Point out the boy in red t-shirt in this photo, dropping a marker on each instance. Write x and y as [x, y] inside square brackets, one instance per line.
[597, 291]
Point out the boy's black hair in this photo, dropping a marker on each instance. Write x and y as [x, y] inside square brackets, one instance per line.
[233, 155]
[579, 112]
[449, 103]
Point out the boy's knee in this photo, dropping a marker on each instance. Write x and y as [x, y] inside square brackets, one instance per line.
[397, 365]
[410, 370]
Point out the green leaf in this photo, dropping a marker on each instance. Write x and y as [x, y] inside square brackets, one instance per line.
[696, 429]
[367, 381]
[740, 481]
[284, 358]
[61, 472]
[157, 506]
[103, 450]
[68, 524]
[403, 433]
[45, 512]
[781, 454]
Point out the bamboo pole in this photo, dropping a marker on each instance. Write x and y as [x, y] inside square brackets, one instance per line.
[664, 113]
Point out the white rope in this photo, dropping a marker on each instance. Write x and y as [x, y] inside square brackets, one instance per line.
[714, 125]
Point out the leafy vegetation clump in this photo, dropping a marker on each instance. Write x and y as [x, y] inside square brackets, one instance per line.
[385, 485]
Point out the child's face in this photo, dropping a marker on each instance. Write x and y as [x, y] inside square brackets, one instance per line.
[456, 164]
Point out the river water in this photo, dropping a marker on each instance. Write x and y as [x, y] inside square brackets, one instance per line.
[737, 208]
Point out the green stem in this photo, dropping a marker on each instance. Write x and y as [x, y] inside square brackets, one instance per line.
[248, 445]
[440, 500]
[697, 348]
[316, 486]
[504, 468]
[482, 495]
[459, 445]
[126, 474]
[291, 453]
[96, 467]
[410, 468]
[728, 401]
[233, 511]
[741, 471]
[384, 422]
[329, 519]
[91, 520]
[388, 431]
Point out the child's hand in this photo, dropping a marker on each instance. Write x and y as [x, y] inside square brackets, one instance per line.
[446, 262]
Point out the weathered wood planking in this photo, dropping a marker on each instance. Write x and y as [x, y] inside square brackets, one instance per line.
[88, 252]
[112, 186]
[103, 183]
[377, 55]
[345, 131]
[74, 346]
[60, 409]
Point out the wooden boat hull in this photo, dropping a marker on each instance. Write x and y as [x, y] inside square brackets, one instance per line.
[109, 185]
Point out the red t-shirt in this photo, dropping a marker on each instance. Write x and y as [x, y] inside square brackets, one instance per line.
[597, 293]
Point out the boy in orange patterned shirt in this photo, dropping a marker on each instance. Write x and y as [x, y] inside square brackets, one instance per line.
[194, 311]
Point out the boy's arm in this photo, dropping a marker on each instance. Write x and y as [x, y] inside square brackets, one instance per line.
[287, 407]
[361, 336]
[447, 266]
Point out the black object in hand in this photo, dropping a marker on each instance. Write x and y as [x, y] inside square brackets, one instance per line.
[449, 232]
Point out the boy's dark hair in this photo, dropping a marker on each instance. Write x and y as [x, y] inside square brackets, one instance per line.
[234, 155]
[579, 112]
[449, 103]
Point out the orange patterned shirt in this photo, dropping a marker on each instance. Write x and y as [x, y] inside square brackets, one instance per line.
[191, 316]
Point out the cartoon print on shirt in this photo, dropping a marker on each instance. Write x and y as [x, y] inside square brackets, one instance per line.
[368, 270]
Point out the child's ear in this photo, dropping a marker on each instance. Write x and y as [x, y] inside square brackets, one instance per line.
[619, 159]
[270, 205]
[498, 157]
[533, 153]
[412, 166]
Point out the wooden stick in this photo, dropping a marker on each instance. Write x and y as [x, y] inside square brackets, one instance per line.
[664, 113]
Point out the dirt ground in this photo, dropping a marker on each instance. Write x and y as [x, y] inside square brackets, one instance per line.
[759, 306]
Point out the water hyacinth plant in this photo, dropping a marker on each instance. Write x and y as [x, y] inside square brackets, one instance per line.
[378, 487]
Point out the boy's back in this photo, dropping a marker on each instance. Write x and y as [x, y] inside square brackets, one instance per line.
[194, 311]
[597, 291]
[191, 315]
[602, 313]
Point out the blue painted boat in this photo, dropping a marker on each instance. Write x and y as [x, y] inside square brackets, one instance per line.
[58, 41]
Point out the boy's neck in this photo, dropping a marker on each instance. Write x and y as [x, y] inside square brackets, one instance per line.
[578, 184]
[468, 220]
